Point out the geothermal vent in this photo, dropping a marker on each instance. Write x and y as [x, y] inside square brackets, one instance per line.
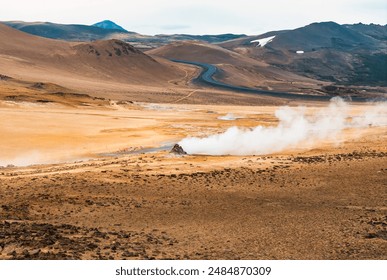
[178, 150]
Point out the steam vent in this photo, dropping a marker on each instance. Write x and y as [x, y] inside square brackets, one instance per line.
[178, 150]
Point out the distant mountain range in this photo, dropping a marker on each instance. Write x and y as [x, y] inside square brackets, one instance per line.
[106, 30]
[349, 54]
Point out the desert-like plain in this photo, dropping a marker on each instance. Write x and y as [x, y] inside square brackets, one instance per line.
[98, 182]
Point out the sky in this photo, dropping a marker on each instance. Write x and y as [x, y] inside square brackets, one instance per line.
[151, 17]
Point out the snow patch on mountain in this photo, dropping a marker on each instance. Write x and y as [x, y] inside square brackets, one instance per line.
[262, 42]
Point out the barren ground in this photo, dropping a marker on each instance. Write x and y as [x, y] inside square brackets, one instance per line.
[324, 202]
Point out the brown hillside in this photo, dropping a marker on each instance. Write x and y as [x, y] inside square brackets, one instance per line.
[202, 52]
[86, 66]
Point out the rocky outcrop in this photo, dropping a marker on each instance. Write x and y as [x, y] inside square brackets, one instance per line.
[178, 150]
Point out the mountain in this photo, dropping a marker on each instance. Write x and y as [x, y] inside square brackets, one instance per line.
[344, 54]
[88, 66]
[321, 36]
[107, 24]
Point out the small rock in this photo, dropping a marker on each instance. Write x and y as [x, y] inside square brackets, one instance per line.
[177, 149]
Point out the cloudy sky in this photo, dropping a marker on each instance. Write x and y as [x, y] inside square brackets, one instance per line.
[197, 16]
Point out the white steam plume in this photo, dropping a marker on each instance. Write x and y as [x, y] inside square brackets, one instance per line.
[294, 129]
[23, 160]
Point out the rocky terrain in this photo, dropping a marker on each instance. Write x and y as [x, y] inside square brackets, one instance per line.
[328, 202]
[289, 208]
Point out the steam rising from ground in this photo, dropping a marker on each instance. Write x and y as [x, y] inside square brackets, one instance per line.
[23, 160]
[228, 117]
[38, 157]
[295, 129]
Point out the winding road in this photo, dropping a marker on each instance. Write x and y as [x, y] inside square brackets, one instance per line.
[209, 70]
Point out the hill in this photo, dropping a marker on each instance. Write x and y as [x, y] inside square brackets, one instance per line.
[201, 52]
